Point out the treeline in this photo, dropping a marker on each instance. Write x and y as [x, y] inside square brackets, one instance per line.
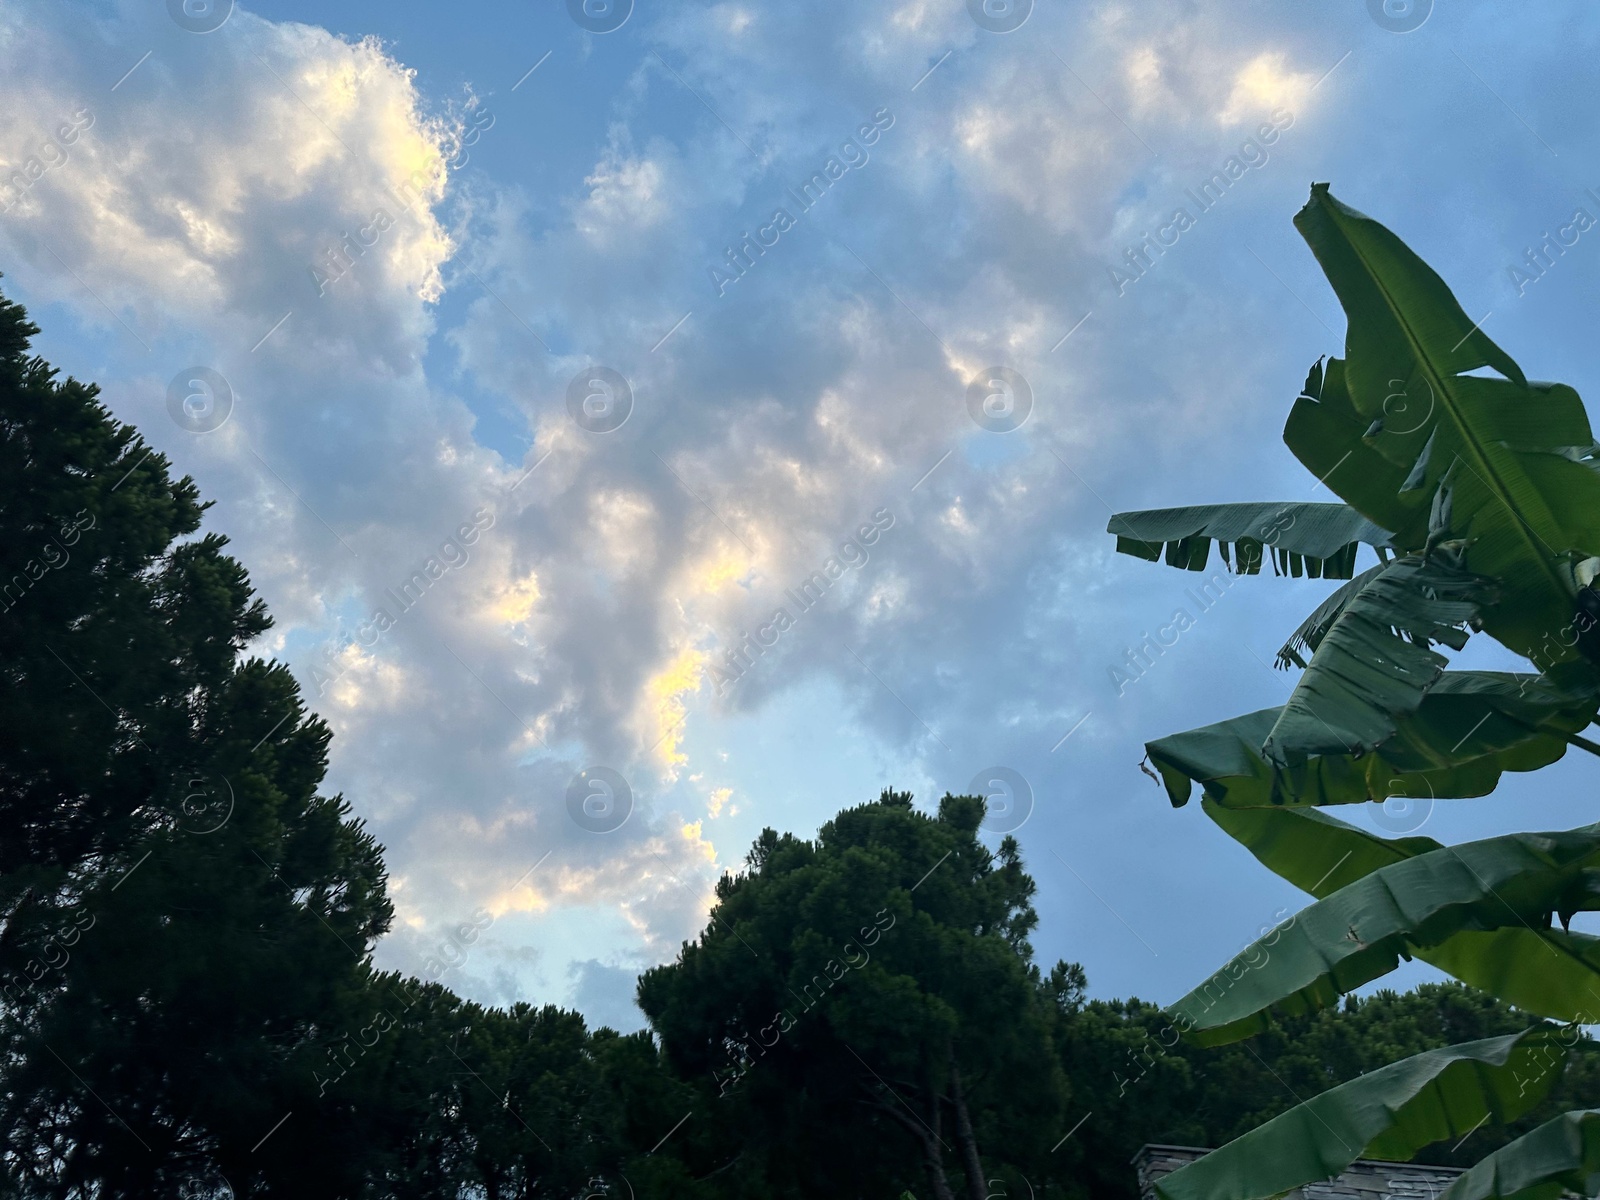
[188, 1006]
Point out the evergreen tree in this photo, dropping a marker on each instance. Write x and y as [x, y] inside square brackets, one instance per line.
[185, 918]
[865, 1006]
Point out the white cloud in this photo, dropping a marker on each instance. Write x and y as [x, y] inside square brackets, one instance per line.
[628, 195]
[1265, 83]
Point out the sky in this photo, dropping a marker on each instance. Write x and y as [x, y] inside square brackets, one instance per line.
[537, 355]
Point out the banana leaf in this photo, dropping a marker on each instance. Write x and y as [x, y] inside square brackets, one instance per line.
[1318, 853]
[1469, 728]
[1318, 540]
[1325, 432]
[1374, 662]
[1315, 627]
[1390, 1113]
[1546, 972]
[1506, 457]
[1360, 932]
[1561, 1156]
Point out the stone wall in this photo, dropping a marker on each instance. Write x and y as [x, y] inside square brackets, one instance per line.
[1364, 1180]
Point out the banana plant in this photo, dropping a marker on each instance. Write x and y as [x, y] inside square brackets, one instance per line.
[1478, 493]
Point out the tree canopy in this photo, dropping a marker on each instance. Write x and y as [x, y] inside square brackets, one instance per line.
[880, 972]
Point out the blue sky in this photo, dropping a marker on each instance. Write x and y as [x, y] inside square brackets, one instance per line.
[405, 234]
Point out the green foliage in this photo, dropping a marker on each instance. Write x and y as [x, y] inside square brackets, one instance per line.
[1488, 490]
[864, 1006]
[1494, 468]
[1307, 538]
[1390, 1113]
[1144, 1083]
[1373, 663]
[183, 913]
[1468, 729]
[1560, 1157]
[1359, 932]
[1545, 971]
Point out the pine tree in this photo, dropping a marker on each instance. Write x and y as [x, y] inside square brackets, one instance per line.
[185, 921]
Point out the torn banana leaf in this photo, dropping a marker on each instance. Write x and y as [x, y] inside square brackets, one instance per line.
[1548, 972]
[1318, 540]
[1469, 728]
[1325, 432]
[1390, 1113]
[1360, 932]
[1507, 453]
[1315, 627]
[1374, 661]
[1560, 1157]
